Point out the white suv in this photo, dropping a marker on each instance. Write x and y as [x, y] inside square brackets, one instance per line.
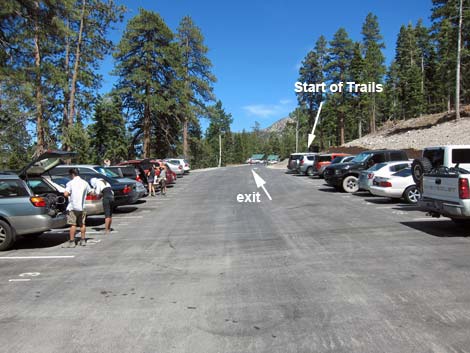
[182, 162]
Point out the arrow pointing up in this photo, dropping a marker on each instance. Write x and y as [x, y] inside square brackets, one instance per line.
[260, 184]
[311, 136]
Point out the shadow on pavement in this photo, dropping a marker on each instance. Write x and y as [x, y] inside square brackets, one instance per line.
[328, 189]
[45, 240]
[443, 229]
[125, 209]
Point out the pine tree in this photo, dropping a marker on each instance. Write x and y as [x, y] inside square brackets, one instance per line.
[340, 55]
[374, 67]
[148, 64]
[197, 76]
[357, 72]
[218, 130]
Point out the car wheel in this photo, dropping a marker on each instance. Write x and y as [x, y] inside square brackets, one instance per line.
[419, 167]
[310, 171]
[412, 194]
[350, 184]
[7, 236]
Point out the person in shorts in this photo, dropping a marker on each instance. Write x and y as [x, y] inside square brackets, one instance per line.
[103, 188]
[151, 180]
[76, 191]
[162, 179]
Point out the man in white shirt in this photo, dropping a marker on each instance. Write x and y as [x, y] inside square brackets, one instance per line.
[76, 190]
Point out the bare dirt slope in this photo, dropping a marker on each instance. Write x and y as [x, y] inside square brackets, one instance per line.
[428, 130]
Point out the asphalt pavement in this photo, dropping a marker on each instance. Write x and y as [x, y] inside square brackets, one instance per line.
[311, 270]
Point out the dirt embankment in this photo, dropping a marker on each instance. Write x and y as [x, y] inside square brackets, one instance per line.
[415, 134]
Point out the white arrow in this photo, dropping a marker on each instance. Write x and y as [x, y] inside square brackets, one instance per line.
[260, 184]
[311, 136]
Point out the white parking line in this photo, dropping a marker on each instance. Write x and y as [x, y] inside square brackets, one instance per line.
[19, 280]
[430, 219]
[126, 217]
[36, 257]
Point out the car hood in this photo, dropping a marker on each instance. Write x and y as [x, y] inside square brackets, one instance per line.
[45, 162]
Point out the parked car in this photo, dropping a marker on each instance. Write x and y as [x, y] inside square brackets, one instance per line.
[176, 168]
[183, 162]
[397, 185]
[443, 175]
[306, 162]
[93, 203]
[134, 172]
[336, 160]
[380, 170]
[293, 161]
[257, 158]
[273, 159]
[23, 213]
[124, 194]
[63, 170]
[322, 161]
[344, 176]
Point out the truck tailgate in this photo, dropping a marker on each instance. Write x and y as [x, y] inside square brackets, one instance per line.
[445, 188]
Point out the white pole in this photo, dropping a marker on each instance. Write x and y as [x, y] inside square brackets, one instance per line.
[220, 150]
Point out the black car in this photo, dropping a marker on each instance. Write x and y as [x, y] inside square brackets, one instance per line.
[344, 176]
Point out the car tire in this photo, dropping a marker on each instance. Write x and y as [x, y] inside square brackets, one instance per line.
[351, 184]
[309, 171]
[419, 167]
[7, 236]
[412, 194]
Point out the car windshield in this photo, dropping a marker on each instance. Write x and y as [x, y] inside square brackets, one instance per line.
[337, 160]
[361, 157]
[403, 173]
[377, 166]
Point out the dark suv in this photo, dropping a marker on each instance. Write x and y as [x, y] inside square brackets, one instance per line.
[344, 176]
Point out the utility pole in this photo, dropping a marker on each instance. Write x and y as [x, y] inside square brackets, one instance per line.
[297, 135]
[457, 75]
[220, 150]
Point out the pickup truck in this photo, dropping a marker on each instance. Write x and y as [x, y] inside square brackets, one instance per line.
[443, 175]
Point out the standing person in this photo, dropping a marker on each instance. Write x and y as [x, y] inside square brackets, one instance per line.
[76, 191]
[107, 162]
[162, 179]
[103, 188]
[151, 180]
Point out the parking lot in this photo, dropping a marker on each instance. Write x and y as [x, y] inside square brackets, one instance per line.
[313, 270]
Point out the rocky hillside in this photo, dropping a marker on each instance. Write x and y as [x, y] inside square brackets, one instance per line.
[415, 134]
[279, 125]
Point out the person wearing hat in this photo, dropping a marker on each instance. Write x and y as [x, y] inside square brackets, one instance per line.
[103, 188]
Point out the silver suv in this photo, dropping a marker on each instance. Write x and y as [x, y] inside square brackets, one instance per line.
[306, 162]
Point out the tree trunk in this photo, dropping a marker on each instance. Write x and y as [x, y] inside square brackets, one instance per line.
[147, 124]
[341, 128]
[185, 137]
[220, 150]
[40, 144]
[359, 127]
[65, 113]
[73, 85]
[372, 116]
[457, 75]
[186, 118]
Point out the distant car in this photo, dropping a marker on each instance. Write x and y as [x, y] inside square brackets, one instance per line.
[23, 213]
[323, 160]
[380, 169]
[306, 162]
[293, 161]
[336, 160]
[273, 159]
[183, 162]
[397, 185]
[175, 167]
[134, 172]
[257, 158]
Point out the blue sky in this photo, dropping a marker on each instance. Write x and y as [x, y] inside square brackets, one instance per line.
[256, 46]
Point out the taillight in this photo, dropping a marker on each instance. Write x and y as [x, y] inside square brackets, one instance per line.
[180, 167]
[370, 176]
[301, 161]
[385, 184]
[464, 190]
[92, 197]
[186, 165]
[38, 201]
[126, 189]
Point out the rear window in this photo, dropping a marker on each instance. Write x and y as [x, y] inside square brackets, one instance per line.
[310, 158]
[398, 167]
[398, 156]
[324, 158]
[403, 173]
[295, 157]
[39, 186]
[12, 188]
[461, 155]
[377, 166]
[336, 160]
